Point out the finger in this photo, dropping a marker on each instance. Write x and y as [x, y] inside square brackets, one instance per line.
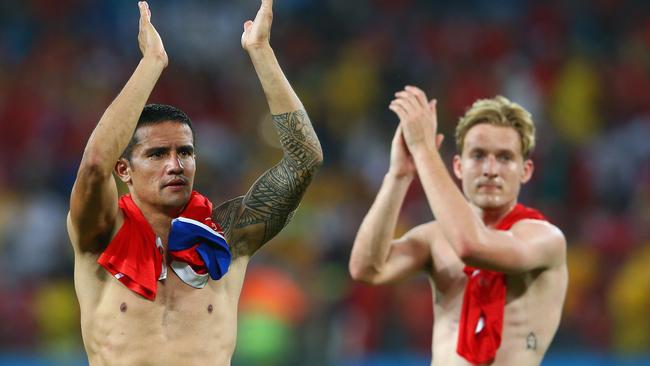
[248, 25]
[433, 103]
[145, 13]
[439, 139]
[266, 11]
[404, 105]
[408, 99]
[398, 110]
[418, 94]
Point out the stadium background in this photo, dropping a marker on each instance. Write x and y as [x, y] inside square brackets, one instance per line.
[581, 67]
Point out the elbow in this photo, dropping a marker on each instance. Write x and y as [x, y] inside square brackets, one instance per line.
[356, 272]
[316, 155]
[93, 169]
[465, 255]
[467, 249]
[317, 161]
[361, 273]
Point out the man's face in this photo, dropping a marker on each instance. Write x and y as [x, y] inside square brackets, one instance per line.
[492, 167]
[162, 166]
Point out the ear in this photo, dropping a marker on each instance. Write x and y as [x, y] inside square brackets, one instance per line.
[527, 171]
[123, 170]
[458, 171]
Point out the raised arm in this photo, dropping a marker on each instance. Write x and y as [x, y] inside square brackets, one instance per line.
[529, 245]
[252, 220]
[93, 201]
[377, 257]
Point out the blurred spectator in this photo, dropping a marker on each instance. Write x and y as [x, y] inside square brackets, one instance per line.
[581, 67]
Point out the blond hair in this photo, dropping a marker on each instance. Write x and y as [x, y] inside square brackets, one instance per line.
[499, 111]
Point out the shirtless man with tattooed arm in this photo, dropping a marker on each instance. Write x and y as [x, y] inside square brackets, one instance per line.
[176, 322]
[498, 268]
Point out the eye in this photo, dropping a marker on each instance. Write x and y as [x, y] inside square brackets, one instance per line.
[186, 153]
[505, 157]
[157, 155]
[478, 155]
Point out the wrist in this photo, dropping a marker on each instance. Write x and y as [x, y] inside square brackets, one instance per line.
[420, 151]
[260, 49]
[158, 60]
[399, 176]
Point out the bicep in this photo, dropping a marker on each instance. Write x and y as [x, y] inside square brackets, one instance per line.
[267, 207]
[93, 209]
[529, 245]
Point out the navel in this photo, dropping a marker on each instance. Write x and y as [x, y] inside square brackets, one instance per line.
[123, 307]
[210, 308]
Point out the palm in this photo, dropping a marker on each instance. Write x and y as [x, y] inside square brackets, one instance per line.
[148, 38]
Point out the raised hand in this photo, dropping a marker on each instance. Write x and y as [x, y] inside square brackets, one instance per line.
[148, 38]
[418, 119]
[257, 33]
[401, 161]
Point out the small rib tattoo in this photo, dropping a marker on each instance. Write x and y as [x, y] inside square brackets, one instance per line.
[531, 341]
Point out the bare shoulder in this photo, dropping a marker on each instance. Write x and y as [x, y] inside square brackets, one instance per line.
[543, 236]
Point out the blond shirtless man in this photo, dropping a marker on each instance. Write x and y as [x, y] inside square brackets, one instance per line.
[484, 237]
[184, 318]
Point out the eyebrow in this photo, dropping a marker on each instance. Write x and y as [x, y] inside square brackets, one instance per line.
[156, 149]
[189, 148]
[164, 149]
[498, 152]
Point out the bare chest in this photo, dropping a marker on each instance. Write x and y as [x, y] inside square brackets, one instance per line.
[531, 317]
[116, 322]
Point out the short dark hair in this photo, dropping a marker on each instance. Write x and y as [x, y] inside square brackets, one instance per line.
[153, 114]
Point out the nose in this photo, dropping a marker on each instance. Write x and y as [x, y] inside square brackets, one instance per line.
[175, 164]
[490, 167]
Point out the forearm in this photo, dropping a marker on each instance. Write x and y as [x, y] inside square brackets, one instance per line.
[372, 243]
[458, 222]
[297, 135]
[279, 93]
[115, 128]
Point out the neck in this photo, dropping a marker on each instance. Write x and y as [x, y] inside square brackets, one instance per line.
[492, 216]
[158, 217]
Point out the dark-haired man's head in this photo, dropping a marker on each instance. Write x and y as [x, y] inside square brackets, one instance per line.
[158, 165]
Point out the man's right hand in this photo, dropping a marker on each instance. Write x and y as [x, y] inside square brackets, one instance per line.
[149, 40]
[401, 161]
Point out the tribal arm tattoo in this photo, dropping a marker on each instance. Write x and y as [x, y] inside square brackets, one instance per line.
[250, 221]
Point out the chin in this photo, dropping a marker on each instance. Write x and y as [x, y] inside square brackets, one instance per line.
[488, 202]
[176, 200]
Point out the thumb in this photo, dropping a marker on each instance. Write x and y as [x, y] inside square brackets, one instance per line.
[248, 25]
[432, 104]
[439, 139]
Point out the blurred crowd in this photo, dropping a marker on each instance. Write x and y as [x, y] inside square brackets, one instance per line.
[581, 67]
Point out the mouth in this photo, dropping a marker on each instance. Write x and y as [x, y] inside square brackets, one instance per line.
[488, 187]
[175, 183]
